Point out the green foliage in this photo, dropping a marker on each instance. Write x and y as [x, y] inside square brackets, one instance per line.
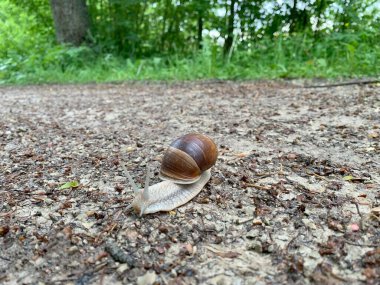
[336, 55]
[27, 48]
[141, 28]
[160, 40]
[67, 185]
[22, 43]
[40, 9]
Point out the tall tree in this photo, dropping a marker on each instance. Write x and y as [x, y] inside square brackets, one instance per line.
[200, 28]
[201, 9]
[230, 28]
[71, 20]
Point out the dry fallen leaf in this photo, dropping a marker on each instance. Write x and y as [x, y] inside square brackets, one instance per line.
[376, 210]
[241, 155]
[257, 222]
[373, 135]
[68, 231]
[335, 225]
[189, 248]
[3, 230]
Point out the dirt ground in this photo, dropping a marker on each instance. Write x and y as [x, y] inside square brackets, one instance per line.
[294, 197]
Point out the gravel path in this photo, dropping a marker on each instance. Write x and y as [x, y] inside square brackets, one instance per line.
[294, 197]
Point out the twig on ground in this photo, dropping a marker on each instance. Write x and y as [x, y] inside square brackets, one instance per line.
[257, 186]
[291, 241]
[240, 222]
[363, 244]
[359, 213]
[356, 82]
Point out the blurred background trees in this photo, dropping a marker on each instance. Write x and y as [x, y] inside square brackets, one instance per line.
[211, 33]
[71, 20]
[135, 27]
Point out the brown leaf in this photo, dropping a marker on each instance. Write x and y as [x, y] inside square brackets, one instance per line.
[257, 222]
[21, 238]
[68, 231]
[203, 200]
[335, 225]
[296, 264]
[115, 161]
[370, 273]
[186, 249]
[3, 230]
[119, 188]
[101, 255]
[163, 229]
[41, 238]
[372, 257]
[241, 155]
[376, 210]
[65, 205]
[334, 245]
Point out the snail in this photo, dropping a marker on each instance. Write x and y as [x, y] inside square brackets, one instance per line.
[185, 169]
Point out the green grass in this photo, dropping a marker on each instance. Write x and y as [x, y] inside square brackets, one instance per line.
[28, 54]
[333, 56]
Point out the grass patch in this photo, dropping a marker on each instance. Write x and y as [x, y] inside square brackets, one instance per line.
[333, 56]
[28, 54]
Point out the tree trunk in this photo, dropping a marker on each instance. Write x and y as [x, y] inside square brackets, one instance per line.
[293, 17]
[200, 29]
[230, 28]
[71, 20]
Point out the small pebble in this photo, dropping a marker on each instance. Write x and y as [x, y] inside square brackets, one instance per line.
[146, 249]
[147, 279]
[355, 227]
[208, 217]
[122, 268]
[73, 249]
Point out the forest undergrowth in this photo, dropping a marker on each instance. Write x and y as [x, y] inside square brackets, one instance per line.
[29, 54]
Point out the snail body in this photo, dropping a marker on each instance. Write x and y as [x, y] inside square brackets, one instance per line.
[166, 195]
[185, 169]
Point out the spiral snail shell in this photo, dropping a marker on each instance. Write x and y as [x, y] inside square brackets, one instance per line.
[187, 157]
[185, 169]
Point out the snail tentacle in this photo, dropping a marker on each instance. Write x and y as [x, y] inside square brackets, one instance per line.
[145, 193]
[131, 181]
[142, 193]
